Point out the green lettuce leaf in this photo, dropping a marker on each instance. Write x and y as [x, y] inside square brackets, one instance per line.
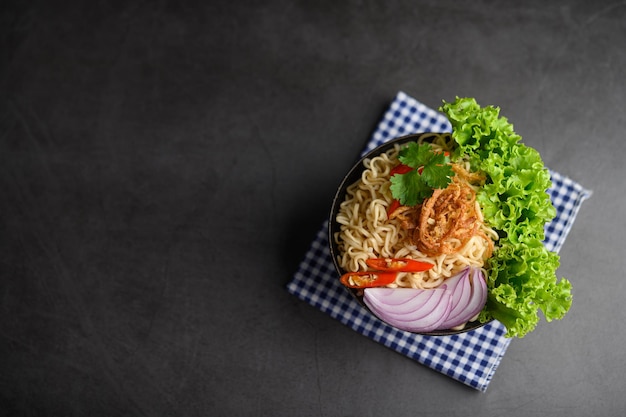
[522, 280]
[522, 272]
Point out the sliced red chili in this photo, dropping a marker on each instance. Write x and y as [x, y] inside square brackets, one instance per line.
[400, 169]
[368, 279]
[398, 265]
[393, 207]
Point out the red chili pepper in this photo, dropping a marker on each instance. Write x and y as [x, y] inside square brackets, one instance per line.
[368, 279]
[393, 207]
[400, 169]
[398, 265]
[403, 169]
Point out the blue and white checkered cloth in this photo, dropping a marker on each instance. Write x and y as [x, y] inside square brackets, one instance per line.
[472, 357]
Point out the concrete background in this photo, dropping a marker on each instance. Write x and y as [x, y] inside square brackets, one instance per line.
[164, 166]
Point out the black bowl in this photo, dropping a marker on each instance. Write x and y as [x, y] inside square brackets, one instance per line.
[353, 175]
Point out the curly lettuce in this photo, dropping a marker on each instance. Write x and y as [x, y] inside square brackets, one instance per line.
[522, 272]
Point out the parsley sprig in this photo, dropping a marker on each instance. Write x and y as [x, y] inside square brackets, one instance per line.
[430, 170]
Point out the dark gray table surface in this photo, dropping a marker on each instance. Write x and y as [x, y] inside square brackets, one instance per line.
[166, 164]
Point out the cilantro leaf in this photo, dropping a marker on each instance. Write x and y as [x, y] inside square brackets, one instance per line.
[437, 172]
[415, 155]
[410, 189]
[430, 170]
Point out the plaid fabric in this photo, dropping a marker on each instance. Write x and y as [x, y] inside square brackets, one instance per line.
[472, 357]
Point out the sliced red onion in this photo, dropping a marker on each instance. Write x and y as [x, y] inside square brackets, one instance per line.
[465, 308]
[410, 309]
[455, 302]
[422, 301]
[461, 289]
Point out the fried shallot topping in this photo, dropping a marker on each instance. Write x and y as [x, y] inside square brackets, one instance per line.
[407, 216]
[448, 219]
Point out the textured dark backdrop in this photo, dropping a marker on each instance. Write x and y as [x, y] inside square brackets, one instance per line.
[165, 164]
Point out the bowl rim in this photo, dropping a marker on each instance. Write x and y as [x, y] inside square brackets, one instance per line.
[353, 175]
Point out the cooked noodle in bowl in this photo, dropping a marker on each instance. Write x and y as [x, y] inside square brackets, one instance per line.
[446, 230]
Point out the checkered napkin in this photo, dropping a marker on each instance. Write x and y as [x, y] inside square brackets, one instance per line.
[471, 357]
